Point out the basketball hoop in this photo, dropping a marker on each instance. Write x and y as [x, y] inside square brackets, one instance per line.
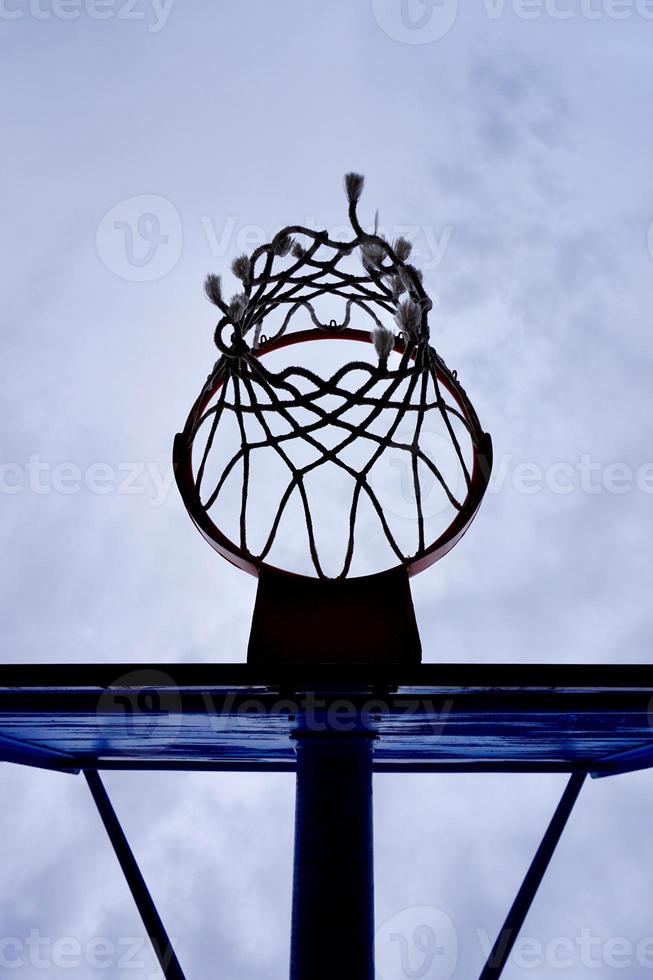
[292, 290]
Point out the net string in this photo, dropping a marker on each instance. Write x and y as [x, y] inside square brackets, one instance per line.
[390, 286]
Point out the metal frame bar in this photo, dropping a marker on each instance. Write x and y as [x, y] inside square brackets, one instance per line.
[505, 941]
[67, 677]
[24, 753]
[599, 769]
[147, 909]
[380, 767]
[632, 760]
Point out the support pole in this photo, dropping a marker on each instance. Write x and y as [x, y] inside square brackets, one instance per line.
[520, 907]
[333, 886]
[144, 902]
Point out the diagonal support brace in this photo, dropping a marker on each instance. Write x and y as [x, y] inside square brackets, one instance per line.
[147, 909]
[505, 941]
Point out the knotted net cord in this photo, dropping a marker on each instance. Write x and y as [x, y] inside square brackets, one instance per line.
[247, 388]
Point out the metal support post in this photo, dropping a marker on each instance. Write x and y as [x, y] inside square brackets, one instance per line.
[333, 887]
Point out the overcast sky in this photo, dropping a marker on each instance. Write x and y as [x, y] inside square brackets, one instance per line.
[514, 140]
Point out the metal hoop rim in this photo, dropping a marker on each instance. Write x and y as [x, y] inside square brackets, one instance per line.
[480, 475]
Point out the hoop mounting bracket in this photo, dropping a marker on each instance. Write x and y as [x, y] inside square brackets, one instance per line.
[369, 619]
